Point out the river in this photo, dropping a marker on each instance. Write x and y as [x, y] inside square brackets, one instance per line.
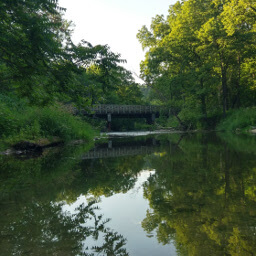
[162, 194]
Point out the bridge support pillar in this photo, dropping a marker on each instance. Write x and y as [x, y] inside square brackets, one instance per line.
[109, 122]
[109, 117]
[151, 118]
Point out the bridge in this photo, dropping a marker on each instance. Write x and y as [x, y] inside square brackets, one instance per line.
[126, 111]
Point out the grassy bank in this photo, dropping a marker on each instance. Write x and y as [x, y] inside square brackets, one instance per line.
[19, 121]
[241, 119]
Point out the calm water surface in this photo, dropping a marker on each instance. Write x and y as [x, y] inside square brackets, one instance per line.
[168, 194]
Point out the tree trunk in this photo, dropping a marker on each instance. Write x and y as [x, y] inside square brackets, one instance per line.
[238, 101]
[184, 127]
[202, 98]
[224, 85]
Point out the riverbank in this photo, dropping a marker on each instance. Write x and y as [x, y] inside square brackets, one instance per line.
[241, 120]
[20, 122]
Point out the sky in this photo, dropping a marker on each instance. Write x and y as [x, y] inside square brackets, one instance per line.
[114, 22]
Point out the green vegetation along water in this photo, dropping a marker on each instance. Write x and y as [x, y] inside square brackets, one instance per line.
[169, 194]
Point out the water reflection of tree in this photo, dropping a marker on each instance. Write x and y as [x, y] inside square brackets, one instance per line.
[111, 175]
[62, 175]
[202, 196]
[44, 229]
[39, 227]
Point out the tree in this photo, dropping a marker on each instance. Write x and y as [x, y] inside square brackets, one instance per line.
[196, 58]
[31, 39]
[39, 61]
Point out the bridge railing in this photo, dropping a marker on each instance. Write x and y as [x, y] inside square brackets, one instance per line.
[124, 109]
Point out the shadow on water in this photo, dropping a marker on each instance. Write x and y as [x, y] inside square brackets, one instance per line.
[202, 196]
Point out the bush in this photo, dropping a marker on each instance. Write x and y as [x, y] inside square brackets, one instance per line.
[55, 121]
[18, 121]
[242, 119]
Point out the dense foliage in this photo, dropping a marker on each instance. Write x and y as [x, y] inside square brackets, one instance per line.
[200, 60]
[239, 120]
[39, 61]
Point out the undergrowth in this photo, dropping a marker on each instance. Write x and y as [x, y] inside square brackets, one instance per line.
[241, 119]
[19, 121]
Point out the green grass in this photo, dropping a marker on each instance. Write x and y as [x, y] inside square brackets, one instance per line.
[240, 119]
[19, 121]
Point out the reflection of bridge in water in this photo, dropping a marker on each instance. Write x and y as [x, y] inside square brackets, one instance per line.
[108, 151]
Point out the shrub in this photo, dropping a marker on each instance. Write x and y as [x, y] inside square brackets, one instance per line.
[242, 119]
[55, 121]
[19, 121]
